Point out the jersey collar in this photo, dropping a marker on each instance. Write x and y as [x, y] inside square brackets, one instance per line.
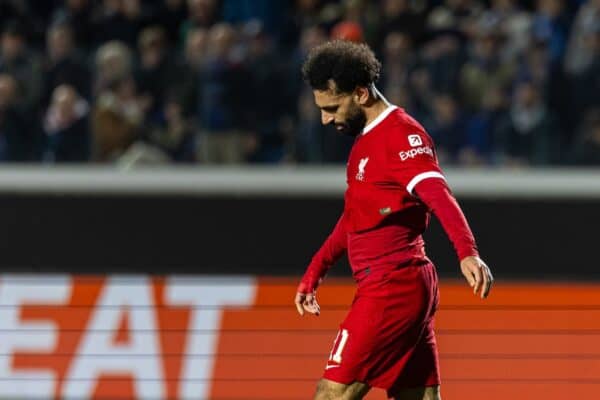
[380, 117]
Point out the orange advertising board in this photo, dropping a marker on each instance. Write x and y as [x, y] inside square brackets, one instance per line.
[181, 337]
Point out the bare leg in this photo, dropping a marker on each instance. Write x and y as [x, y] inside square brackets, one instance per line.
[329, 390]
[421, 393]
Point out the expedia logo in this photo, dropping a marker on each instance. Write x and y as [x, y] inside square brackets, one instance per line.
[415, 140]
[412, 153]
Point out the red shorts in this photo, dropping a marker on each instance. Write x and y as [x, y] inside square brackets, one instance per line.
[387, 339]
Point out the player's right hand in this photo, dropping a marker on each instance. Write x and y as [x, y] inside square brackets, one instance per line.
[307, 302]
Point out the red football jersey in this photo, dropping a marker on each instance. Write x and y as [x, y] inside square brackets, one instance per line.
[383, 218]
[388, 159]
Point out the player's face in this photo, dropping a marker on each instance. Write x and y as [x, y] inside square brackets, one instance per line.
[341, 110]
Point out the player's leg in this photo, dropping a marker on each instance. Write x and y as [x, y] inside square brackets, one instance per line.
[351, 354]
[420, 376]
[420, 393]
[330, 390]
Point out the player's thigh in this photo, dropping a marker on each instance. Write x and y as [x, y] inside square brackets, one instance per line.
[330, 390]
[420, 393]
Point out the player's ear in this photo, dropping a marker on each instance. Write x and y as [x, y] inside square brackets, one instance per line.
[361, 95]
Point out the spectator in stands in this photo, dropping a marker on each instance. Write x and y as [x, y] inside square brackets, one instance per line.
[551, 23]
[443, 55]
[223, 99]
[367, 14]
[113, 62]
[117, 119]
[63, 64]
[512, 23]
[201, 14]
[19, 61]
[187, 83]
[585, 79]
[421, 93]
[455, 15]
[484, 69]
[484, 127]
[347, 30]
[306, 144]
[263, 114]
[18, 139]
[120, 20]
[173, 133]
[195, 48]
[587, 22]
[398, 61]
[66, 127]
[156, 68]
[531, 137]
[535, 65]
[447, 128]
[78, 15]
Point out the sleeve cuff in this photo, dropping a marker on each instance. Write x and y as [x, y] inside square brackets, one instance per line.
[468, 253]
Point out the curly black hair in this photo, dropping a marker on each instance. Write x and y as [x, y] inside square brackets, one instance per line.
[348, 64]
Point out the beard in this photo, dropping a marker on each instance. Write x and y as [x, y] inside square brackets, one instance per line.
[355, 122]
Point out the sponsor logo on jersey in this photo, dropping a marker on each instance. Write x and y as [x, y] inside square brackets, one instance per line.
[361, 168]
[412, 153]
[415, 140]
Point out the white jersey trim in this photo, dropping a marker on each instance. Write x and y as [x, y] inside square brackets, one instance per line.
[379, 118]
[420, 177]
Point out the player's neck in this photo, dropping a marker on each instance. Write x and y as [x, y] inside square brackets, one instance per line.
[375, 109]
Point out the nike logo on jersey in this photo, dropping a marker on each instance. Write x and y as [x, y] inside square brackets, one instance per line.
[361, 168]
[331, 366]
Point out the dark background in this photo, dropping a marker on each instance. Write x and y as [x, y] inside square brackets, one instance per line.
[520, 239]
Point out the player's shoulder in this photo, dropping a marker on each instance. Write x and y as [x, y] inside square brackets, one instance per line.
[404, 129]
[404, 123]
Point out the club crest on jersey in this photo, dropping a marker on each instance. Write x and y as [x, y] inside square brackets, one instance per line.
[415, 140]
[361, 169]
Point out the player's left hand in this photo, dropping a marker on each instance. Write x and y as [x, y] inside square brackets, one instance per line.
[307, 302]
[478, 275]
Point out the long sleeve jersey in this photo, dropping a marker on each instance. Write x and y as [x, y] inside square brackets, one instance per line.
[394, 182]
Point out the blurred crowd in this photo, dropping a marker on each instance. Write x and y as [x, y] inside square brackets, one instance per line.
[496, 82]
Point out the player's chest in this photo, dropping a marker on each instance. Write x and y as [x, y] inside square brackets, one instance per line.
[367, 164]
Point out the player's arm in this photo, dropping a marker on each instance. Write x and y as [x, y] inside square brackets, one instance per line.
[437, 196]
[332, 249]
[413, 164]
